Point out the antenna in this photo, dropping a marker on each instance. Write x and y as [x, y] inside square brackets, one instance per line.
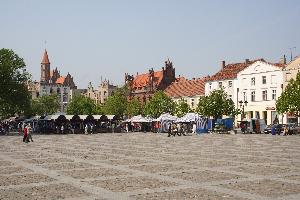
[45, 43]
[291, 50]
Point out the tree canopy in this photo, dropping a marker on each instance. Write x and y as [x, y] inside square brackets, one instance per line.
[134, 107]
[160, 103]
[45, 105]
[81, 105]
[116, 104]
[216, 105]
[289, 100]
[182, 107]
[14, 95]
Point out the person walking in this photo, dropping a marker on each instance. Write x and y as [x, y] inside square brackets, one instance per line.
[62, 129]
[86, 129]
[25, 134]
[194, 128]
[29, 133]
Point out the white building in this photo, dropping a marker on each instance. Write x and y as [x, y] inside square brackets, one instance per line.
[226, 78]
[260, 85]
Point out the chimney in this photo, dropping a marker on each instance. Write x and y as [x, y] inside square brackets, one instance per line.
[223, 64]
[247, 61]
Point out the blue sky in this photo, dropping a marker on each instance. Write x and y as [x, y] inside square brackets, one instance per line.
[91, 39]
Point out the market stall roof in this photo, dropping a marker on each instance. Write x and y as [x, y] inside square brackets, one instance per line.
[69, 117]
[83, 117]
[166, 117]
[140, 118]
[189, 117]
[97, 116]
[110, 117]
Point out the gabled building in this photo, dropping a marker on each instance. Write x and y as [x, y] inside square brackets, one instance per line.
[260, 84]
[105, 89]
[291, 70]
[187, 90]
[52, 83]
[143, 86]
[226, 78]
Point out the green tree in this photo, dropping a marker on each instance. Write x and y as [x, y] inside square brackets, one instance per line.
[159, 104]
[182, 107]
[216, 105]
[116, 103]
[289, 100]
[133, 108]
[81, 105]
[45, 105]
[14, 95]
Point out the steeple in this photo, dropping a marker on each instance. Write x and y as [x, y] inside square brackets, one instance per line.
[45, 59]
[45, 68]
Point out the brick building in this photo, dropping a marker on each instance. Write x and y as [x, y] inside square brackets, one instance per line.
[143, 86]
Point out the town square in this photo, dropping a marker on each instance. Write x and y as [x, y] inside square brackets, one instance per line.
[150, 166]
[152, 99]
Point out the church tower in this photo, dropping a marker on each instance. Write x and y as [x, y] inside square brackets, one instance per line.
[45, 68]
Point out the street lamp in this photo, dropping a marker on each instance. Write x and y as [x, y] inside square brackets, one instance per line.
[242, 105]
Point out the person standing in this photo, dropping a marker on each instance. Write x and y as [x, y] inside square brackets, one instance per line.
[29, 133]
[86, 129]
[62, 129]
[194, 128]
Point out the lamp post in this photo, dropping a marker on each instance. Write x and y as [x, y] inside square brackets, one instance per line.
[242, 105]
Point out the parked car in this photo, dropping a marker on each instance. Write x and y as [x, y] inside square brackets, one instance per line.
[291, 128]
[268, 129]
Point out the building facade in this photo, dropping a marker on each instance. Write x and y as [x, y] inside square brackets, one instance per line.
[52, 83]
[187, 90]
[260, 85]
[105, 89]
[143, 86]
[226, 79]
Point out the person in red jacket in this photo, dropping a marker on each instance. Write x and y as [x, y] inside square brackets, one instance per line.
[25, 134]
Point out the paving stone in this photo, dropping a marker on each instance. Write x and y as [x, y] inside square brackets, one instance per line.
[187, 194]
[12, 170]
[268, 188]
[55, 191]
[94, 173]
[131, 183]
[23, 179]
[205, 176]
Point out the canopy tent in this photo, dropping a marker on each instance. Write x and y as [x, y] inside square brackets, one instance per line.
[189, 117]
[69, 117]
[166, 117]
[139, 119]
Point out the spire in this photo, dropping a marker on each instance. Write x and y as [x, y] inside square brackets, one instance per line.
[45, 58]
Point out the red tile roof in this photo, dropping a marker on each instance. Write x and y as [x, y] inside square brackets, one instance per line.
[60, 80]
[144, 79]
[45, 59]
[185, 87]
[230, 71]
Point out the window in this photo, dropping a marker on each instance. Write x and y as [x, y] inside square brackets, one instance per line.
[264, 95]
[244, 96]
[264, 79]
[229, 83]
[253, 96]
[57, 90]
[209, 85]
[253, 81]
[192, 102]
[220, 84]
[273, 94]
[273, 79]
[230, 97]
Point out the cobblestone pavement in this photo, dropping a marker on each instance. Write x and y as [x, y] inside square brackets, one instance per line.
[150, 166]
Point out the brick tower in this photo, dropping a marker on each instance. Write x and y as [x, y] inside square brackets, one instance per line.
[45, 68]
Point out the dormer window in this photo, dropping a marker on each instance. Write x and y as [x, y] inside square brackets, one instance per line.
[229, 83]
[220, 84]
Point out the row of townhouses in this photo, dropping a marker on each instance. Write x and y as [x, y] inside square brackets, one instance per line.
[255, 86]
